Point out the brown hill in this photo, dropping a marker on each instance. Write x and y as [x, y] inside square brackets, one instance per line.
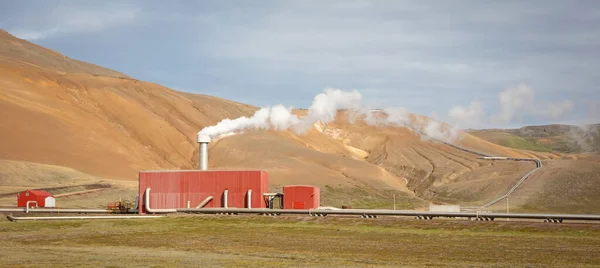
[67, 113]
[23, 55]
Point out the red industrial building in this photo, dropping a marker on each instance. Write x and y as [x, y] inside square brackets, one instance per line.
[37, 198]
[171, 189]
[301, 197]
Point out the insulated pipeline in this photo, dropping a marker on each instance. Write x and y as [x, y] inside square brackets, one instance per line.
[385, 212]
[55, 210]
[538, 164]
[13, 218]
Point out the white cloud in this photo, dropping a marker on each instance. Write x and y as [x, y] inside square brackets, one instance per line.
[424, 56]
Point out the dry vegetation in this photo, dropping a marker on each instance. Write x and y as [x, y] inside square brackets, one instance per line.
[249, 241]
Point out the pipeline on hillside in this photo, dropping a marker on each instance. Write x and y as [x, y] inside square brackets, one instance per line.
[538, 164]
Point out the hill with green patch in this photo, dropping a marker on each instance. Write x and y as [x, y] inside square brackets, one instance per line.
[546, 138]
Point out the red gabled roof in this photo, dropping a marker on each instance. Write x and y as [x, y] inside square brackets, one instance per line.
[39, 192]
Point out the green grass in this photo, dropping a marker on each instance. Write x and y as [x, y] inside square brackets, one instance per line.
[562, 139]
[524, 143]
[251, 241]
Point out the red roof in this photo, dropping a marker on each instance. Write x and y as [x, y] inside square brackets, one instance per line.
[39, 192]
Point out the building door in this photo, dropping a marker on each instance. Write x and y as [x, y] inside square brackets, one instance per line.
[50, 202]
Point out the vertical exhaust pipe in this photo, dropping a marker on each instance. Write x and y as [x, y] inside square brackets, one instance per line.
[203, 140]
[249, 198]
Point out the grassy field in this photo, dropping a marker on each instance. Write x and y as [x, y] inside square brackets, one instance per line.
[513, 141]
[251, 241]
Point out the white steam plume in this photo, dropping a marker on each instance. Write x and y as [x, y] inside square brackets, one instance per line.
[587, 132]
[426, 128]
[323, 109]
[512, 101]
[469, 117]
[554, 110]
[516, 102]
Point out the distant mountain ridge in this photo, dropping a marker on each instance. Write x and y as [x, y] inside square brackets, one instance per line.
[546, 138]
[25, 54]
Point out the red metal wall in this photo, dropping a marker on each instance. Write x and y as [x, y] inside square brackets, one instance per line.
[32, 195]
[173, 189]
[301, 197]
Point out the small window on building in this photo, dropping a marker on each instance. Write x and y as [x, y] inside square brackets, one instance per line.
[26, 193]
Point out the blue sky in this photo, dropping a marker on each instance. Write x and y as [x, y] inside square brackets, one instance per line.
[452, 59]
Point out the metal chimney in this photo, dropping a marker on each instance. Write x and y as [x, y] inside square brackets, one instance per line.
[203, 140]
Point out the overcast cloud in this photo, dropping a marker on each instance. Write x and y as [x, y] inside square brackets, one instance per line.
[473, 63]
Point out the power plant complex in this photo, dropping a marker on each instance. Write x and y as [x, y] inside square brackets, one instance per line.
[229, 192]
[169, 190]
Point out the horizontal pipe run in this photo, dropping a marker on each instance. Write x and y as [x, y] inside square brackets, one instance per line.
[592, 217]
[493, 158]
[13, 218]
[243, 210]
[13, 210]
[56, 210]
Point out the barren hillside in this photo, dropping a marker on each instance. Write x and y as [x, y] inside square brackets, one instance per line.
[104, 125]
[59, 111]
[23, 55]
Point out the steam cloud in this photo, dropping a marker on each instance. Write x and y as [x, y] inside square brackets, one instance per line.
[514, 102]
[323, 109]
[519, 101]
[427, 128]
[587, 136]
[469, 117]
